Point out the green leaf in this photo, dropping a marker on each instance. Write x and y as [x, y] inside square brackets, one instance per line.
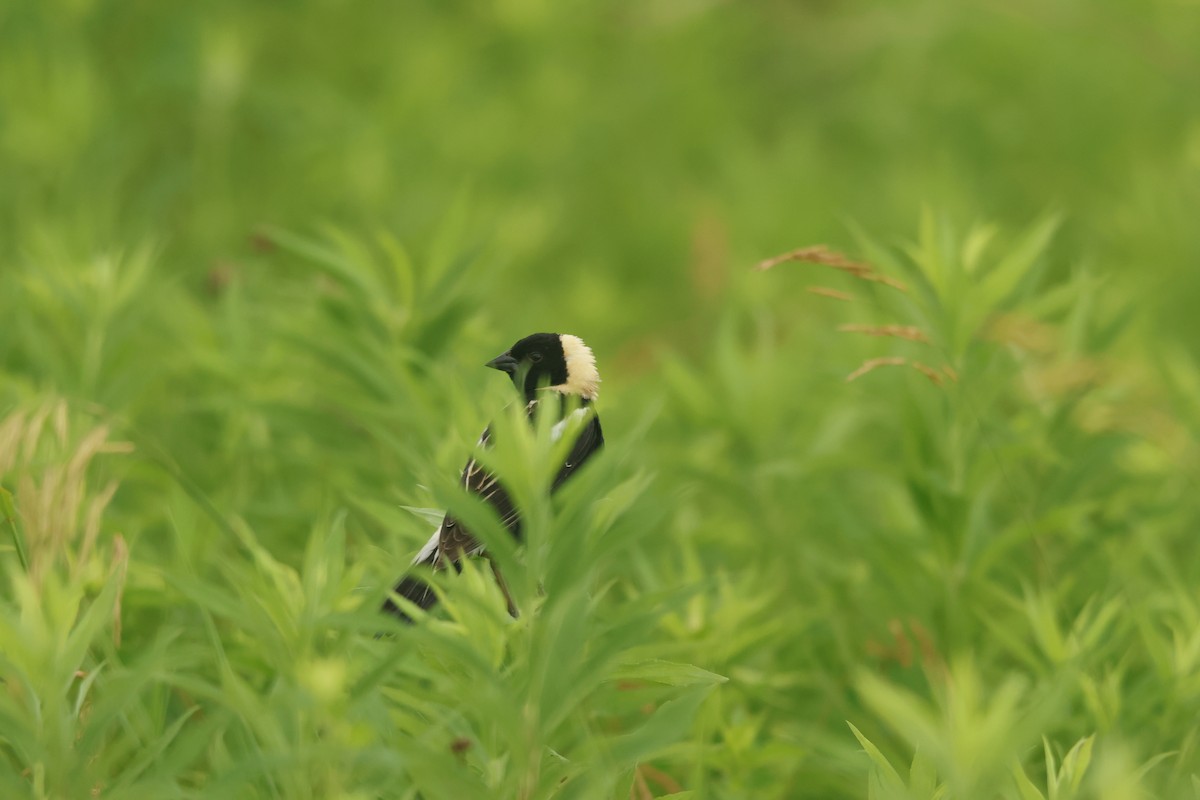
[8, 511]
[1025, 788]
[333, 263]
[1017, 265]
[1075, 764]
[922, 777]
[668, 672]
[433, 516]
[665, 727]
[884, 775]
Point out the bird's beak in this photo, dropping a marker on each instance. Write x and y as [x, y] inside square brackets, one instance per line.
[503, 362]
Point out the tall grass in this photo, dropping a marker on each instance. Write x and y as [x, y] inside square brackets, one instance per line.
[982, 561]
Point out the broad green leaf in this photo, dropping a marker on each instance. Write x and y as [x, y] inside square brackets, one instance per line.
[1025, 788]
[884, 775]
[8, 511]
[669, 673]
[665, 727]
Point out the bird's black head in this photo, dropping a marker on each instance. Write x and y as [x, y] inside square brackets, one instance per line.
[559, 361]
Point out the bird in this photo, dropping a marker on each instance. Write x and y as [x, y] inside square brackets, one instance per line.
[550, 370]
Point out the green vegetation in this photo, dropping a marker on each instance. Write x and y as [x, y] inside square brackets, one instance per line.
[252, 256]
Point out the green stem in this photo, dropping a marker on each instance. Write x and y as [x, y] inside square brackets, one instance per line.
[9, 510]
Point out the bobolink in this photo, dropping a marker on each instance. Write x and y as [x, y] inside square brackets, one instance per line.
[547, 368]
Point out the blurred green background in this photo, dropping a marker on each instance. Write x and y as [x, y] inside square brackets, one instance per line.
[604, 144]
[252, 254]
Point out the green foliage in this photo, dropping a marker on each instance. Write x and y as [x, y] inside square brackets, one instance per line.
[926, 532]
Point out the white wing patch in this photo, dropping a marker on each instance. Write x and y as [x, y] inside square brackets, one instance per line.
[557, 431]
[429, 552]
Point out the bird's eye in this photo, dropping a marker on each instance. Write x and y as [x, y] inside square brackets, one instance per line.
[535, 357]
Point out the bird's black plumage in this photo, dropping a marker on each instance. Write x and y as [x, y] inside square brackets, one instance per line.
[554, 373]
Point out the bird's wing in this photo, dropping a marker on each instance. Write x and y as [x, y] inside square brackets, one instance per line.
[590, 440]
[452, 541]
[455, 541]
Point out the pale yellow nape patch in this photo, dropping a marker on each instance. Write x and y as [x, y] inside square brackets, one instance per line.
[582, 377]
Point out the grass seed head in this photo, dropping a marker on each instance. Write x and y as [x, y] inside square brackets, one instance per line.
[835, 294]
[910, 332]
[823, 256]
[872, 364]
